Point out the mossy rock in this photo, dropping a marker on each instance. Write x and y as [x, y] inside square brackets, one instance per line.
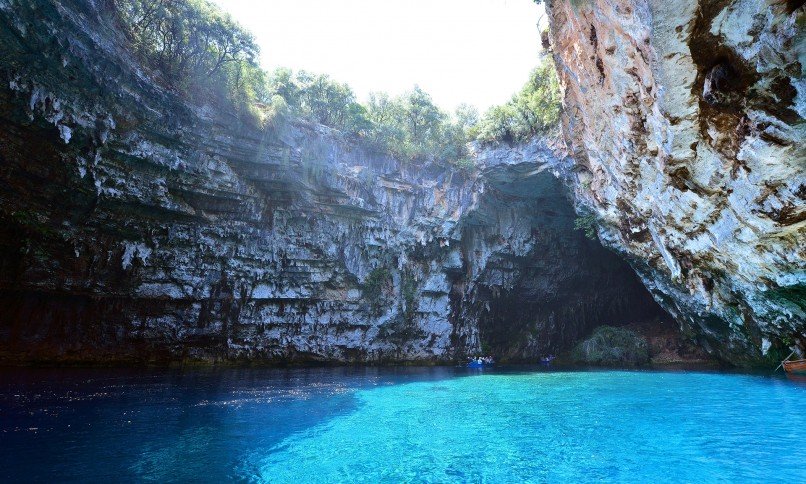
[609, 346]
[378, 289]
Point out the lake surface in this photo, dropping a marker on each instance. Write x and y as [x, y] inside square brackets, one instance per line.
[400, 425]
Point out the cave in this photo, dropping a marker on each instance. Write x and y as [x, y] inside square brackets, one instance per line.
[544, 284]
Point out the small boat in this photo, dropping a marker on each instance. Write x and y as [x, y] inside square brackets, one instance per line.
[480, 363]
[546, 360]
[796, 367]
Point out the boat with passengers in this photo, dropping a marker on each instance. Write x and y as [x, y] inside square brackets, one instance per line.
[480, 362]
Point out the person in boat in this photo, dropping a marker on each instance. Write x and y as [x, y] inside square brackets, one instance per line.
[480, 360]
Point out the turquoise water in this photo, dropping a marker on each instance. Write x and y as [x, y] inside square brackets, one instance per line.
[400, 425]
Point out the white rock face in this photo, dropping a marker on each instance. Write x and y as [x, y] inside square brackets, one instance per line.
[685, 120]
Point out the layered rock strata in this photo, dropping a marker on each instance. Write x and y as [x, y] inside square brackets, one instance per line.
[138, 227]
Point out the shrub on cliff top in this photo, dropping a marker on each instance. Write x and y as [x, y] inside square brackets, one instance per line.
[410, 127]
[319, 98]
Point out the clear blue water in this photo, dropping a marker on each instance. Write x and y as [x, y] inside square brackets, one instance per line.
[400, 425]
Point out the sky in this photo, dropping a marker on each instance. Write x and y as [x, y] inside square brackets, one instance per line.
[474, 51]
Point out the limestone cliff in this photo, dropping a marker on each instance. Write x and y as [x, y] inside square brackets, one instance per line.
[138, 227]
[685, 120]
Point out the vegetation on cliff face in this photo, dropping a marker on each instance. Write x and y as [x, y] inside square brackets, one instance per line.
[201, 52]
[588, 224]
[378, 289]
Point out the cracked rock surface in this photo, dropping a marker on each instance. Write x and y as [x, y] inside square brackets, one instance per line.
[685, 119]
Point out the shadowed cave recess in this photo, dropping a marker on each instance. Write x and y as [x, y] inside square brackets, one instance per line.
[547, 285]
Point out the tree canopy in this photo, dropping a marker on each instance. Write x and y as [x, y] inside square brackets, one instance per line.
[410, 126]
[532, 111]
[193, 46]
[319, 98]
[198, 50]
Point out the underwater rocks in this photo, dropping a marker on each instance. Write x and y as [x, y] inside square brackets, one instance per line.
[685, 122]
[609, 346]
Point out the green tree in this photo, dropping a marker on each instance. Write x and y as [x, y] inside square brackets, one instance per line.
[468, 118]
[385, 116]
[412, 127]
[382, 109]
[281, 82]
[423, 117]
[194, 47]
[321, 99]
[533, 110]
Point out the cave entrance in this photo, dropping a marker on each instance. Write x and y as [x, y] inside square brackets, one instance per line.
[542, 285]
